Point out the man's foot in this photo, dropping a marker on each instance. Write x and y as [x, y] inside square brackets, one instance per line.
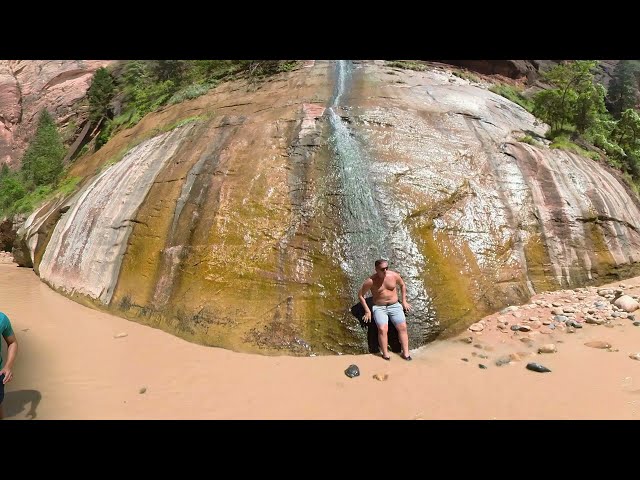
[386, 358]
[406, 357]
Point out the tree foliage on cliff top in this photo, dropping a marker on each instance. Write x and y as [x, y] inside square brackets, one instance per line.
[578, 109]
[141, 86]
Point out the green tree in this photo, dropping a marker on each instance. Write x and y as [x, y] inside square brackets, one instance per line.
[622, 141]
[104, 135]
[623, 89]
[136, 73]
[627, 131]
[589, 107]
[204, 70]
[100, 94]
[169, 70]
[42, 161]
[11, 190]
[570, 81]
[633, 163]
[152, 96]
[548, 106]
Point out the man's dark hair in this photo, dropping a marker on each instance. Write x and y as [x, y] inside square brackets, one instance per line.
[378, 262]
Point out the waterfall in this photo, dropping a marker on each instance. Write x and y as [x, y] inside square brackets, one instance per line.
[364, 233]
[370, 233]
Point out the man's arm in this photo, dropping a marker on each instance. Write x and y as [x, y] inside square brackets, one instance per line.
[365, 287]
[12, 351]
[403, 289]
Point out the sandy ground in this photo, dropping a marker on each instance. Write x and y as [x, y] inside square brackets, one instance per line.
[72, 366]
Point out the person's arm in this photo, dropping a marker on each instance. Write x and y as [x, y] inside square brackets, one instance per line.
[12, 351]
[365, 287]
[403, 290]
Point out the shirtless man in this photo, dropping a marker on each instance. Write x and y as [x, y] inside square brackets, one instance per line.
[383, 285]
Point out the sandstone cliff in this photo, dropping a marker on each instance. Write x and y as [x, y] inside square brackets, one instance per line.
[248, 217]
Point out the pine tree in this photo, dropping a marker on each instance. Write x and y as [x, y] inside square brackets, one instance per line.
[623, 89]
[100, 93]
[42, 161]
[169, 70]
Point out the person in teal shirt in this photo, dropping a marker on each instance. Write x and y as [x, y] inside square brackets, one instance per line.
[6, 369]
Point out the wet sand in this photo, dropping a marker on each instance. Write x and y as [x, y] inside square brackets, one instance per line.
[70, 366]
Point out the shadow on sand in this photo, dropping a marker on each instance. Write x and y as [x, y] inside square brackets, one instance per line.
[15, 402]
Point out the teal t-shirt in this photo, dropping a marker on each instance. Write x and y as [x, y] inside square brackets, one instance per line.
[5, 329]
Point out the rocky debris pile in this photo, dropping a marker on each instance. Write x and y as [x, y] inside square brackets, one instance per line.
[565, 310]
[562, 311]
[6, 257]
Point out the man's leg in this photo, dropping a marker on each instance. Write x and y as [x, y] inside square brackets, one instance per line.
[1, 395]
[404, 337]
[396, 314]
[382, 339]
[382, 322]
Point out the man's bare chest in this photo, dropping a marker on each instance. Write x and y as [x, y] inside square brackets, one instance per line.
[385, 286]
